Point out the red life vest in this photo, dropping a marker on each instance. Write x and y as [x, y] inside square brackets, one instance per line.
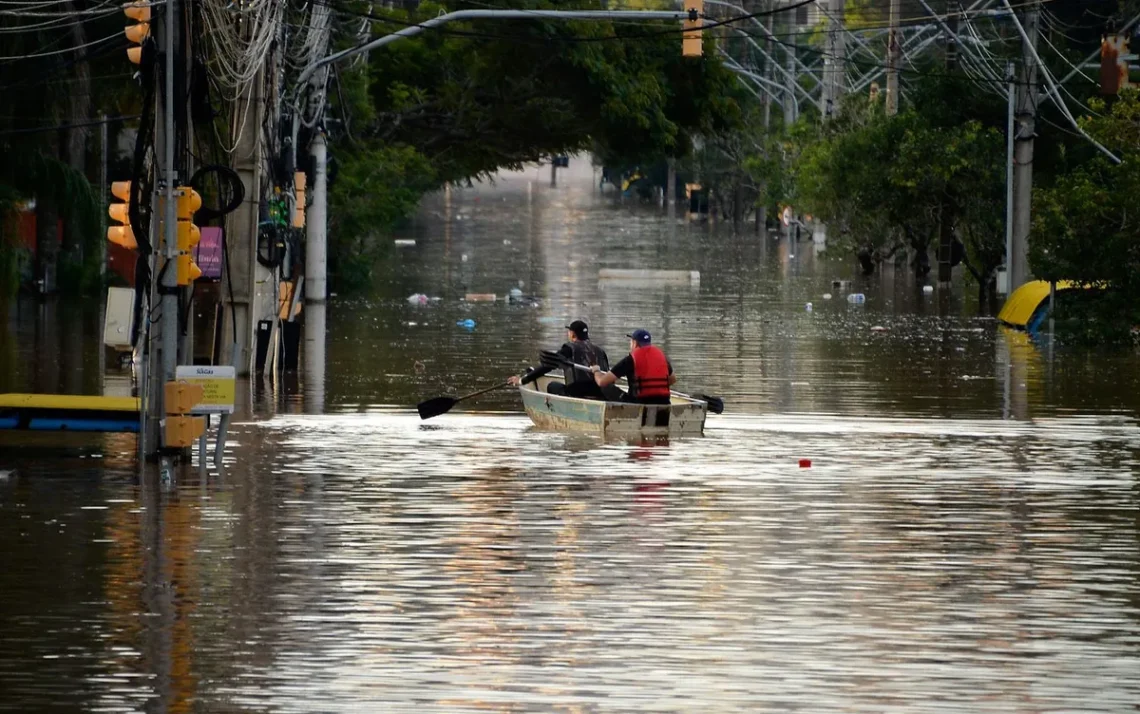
[650, 373]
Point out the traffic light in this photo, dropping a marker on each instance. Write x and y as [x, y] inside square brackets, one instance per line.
[188, 202]
[691, 40]
[139, 11]
[180, 429]
[120, 213]
[299, 206]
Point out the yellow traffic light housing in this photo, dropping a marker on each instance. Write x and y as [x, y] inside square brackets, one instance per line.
[121, 235]
[187, 202]
[299, 207]
[691, 39]
[139, 11]
[179, 429]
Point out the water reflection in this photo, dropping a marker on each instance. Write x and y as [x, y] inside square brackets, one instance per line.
[965, 540]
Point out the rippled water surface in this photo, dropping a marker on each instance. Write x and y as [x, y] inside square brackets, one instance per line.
[965, 538]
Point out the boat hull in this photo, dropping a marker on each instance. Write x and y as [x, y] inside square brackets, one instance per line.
[684, 417]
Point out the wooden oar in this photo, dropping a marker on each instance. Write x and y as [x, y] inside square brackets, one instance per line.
[442, 405]
[557, 359]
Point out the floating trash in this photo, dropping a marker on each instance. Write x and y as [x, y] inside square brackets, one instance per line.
[468, 323]
[856, 298]
[827, 296]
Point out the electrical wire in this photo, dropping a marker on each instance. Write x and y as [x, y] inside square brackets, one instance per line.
[18, 58]
[58, 127]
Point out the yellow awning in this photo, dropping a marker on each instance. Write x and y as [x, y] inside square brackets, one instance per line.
[69, 402]
[1024, 301]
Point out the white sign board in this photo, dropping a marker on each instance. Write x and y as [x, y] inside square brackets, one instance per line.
[219, 385]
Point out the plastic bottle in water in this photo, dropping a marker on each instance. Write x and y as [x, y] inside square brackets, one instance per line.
[856, 298]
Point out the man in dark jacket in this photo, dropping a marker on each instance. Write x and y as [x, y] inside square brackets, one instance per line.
[578, 349]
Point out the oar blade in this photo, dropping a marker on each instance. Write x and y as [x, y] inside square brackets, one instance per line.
[435, 407]
[551, 359]
[716, 404]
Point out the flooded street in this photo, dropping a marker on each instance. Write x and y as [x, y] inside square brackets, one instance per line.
[966, 538]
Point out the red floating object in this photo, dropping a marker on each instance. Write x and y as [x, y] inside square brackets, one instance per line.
[805, 463]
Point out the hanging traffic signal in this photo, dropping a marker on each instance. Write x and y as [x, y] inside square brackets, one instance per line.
[139, 11]
[691, 40]
[122, 234]
[188, 202]
[299, 207]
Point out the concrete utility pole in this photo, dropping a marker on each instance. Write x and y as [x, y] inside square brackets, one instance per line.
[946, 214]
[671, 187]
[894, 55]
[834, 60]
[790, 105]
[161, 362]
[769, 72]
[102, 195]
[316, 224]
[1027, 97]
[242, 226]
[1010, 130]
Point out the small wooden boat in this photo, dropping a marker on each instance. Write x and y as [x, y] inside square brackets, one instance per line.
[685, 416]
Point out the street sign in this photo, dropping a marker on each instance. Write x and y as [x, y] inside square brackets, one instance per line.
[219, 385]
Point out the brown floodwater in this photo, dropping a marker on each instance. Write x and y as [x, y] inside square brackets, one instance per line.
[966, 538]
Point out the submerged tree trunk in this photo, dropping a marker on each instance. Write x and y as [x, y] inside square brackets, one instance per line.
[738, 206]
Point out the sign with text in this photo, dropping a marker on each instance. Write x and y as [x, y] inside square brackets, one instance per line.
[219, 386]
[208, 253]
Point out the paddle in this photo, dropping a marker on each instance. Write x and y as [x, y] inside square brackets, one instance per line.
[552, 359]
[442, 405]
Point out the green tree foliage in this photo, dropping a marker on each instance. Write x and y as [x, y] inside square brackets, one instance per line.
[476, 97]
[1087, 226]
[889, 182]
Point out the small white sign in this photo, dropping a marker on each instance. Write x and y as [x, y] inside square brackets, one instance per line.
[219, 386]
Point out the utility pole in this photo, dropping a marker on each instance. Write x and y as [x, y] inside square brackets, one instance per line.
[790, 96]
[1023, 150]
[1010, 129]
[834, 60]
[316, 224]
[671, 187]
[163, 235]
[242, 225]
[894, 55]
[946, 212]
[102, 195]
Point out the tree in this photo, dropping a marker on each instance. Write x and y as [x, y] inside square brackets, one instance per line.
[463, 102]
[1086, 227]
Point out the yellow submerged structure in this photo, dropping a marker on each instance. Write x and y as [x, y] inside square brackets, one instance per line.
[1027, 305]
[66, 412]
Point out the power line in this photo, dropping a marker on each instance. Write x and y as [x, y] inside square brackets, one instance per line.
[60, 127]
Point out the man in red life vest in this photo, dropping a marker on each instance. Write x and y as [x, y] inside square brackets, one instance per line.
[646, 368]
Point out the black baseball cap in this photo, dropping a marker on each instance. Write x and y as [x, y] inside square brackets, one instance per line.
[580, 329]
